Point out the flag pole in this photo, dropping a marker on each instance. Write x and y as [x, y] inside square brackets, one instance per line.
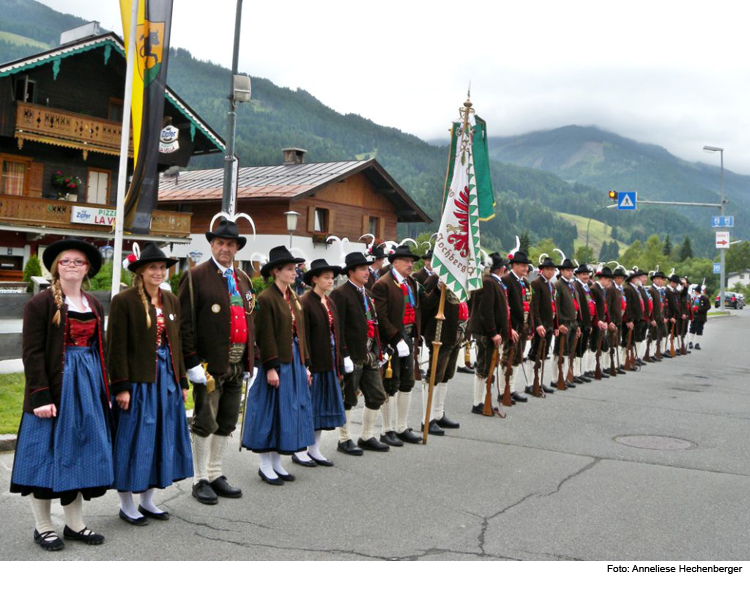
[124, 151]
[440, 317]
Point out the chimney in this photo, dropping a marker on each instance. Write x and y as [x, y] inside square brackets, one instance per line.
[90, 29]
[293, 155]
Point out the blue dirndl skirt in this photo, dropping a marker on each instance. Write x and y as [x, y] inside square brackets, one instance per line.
[60, 456]
[280, 419]
[327, 400]
[152, 441]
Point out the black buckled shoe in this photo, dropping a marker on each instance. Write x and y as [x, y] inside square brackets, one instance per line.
[446, 423]
[163, 516]
[373, 444]
[391, 439]
[585, 378]
[465, 370]
[133, 521]
[46, 541]
[690, 346]
[204, 493]
[350, 448]
[519, 397]
[478, 409]
[621, 371]
[697, 346]
[91, 538]
[578, 380]
[223, 489]
[547, 389]
[277, 482]
[309, 463]
[640, 362]
[570, 385]
[435, 429]
[409, 436]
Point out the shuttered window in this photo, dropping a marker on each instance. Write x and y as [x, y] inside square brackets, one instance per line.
[97, 188]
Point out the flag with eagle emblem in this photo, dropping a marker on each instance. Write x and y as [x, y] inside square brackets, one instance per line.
[457, 245]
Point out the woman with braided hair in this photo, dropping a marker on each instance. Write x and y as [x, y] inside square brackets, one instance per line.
[147, 372]
[64, 446]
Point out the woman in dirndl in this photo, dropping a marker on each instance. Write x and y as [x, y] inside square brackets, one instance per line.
[279, 417]
[64, 445]
[147, 372]
[322, 325]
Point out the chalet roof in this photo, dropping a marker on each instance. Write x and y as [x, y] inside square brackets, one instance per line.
[290, 181]
[108, 41]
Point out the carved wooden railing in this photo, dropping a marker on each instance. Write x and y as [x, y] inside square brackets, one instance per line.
[42, 212]
[61, 124]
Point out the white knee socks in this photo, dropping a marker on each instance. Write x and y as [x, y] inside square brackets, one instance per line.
[42, 510]
[344, 429]
[216, 455]
[403, 400]
[147, 501]
[127, 505]
[438, 401]
[266, 465]
[480, 386]
[368, 423]
[276, 463]
[74, 514]
[388, 411]
[201, 452]
[314, 450]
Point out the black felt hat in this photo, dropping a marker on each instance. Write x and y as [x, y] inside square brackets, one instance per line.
[402, 251]
[92, 253]
[498, 261]
[567, 265]
[427, 255]
[674, 278]
[355, 259]
[378, 252]
[583, 269]
[619, 271]
[227, 230]
[518, 258]
[278, 256]
[658, 274]
[605, 272]
[149, 254]
[547, 263]
[635, 274]
[317, 267]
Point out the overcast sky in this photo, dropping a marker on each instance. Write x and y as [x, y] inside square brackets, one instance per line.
[671, 73]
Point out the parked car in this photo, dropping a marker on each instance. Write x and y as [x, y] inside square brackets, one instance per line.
[733, 299]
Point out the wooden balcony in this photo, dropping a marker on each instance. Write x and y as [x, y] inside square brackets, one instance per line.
[67, 129]
[24, 211]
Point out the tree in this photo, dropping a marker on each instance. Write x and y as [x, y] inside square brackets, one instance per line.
[584, 254]
[32, 268]
[737, 257]
[545, 246]
[667, 246]
[686, 249]
[615, 235]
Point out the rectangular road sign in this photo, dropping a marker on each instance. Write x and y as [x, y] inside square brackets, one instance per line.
[717, 268]
[722, 240]
[627, 201]
[720, 222]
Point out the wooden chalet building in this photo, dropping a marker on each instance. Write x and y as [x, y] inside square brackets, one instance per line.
[345, 199]
[60, 116]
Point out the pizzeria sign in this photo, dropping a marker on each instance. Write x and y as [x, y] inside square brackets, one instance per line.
[93, 216]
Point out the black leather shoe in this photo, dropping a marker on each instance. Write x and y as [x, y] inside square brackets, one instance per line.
[223, 489]
[697, 346]
[585, 378]
[322, 462]
[91, 538]
[135, 521]
[203, 492]
[465, 370]
[287, 478]
[277, 482]
[435, 429]
[578, 380]
[519, 397]
[446, 423]
[409, 436]
[391, 439]
[528, 390]
[373, 444]
[46, 541]
[621, 371]
[570, 385]
[547, 389]
[163, 516]
[641, 362]
[604, 374]
[690, 346]
[478, 409]
[350, 448]
[310, 463]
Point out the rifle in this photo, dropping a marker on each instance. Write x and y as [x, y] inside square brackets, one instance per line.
[540, 353]
[683, 349]
[658, 342]
[612, 351]
[488, 409]
[629, 350]
[672, 352]
[561, 362]
[571, 358]
[506, 400]
[598, 370]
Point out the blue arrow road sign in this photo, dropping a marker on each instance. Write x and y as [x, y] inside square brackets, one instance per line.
[726, 221]
[717, 268]
[627, 201]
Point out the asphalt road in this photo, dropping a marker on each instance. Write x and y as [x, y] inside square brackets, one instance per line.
[550, 482]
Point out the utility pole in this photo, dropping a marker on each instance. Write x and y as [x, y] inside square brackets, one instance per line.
[227, 204]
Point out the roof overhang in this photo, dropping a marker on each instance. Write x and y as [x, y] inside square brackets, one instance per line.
[105, 235]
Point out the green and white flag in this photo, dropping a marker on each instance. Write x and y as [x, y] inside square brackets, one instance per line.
[457, 246]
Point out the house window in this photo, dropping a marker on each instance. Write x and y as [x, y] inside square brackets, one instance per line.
[321, 221]
[13, 177]
[374, 223]
[97, 188]
[115, 110]
[25, 89]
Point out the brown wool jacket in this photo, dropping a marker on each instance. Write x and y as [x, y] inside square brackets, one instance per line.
[209, 340]
[352, 321]
[389, 301]
[319, 334]
[515, 300]
[657, 298]
[585, 316]
[541, 303]
[565, 301]
[44, 349]
[600, 297]
[633, 311]
[131, 346]
[614, 304]
[489, 314]
[273, 328]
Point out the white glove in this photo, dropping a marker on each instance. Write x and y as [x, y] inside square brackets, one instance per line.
[348, 365]
[197, 375]
[402, 349]
[384, 361]
[246, 376]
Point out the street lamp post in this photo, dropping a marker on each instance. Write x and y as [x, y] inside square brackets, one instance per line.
[291, 224]
[723, 203]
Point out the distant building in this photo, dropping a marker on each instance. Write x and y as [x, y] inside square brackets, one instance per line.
[61, 116]
[346, 199]
[743, 277]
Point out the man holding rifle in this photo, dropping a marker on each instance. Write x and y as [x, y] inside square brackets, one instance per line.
[544, 315]
[519, 300]
[601, 324]
[588, 318]
[568, 309]
[634, 320]
[657, 292]
[617, 305]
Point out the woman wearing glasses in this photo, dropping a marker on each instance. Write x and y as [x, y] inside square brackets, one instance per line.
[64, 447]
[147, 379]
